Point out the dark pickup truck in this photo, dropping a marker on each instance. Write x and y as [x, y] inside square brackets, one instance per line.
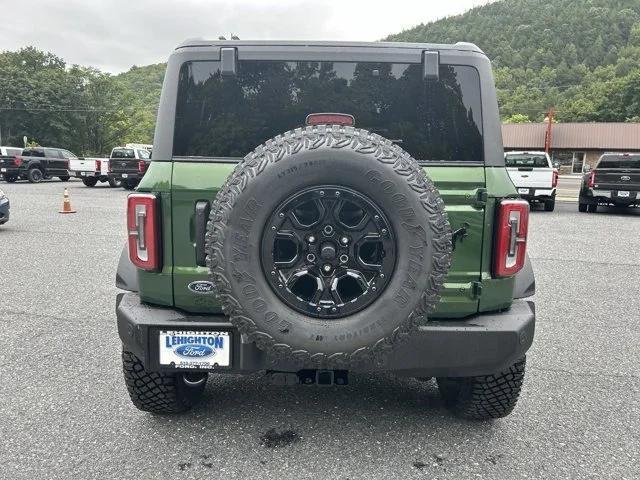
[128, 165]
[614, 181]
[36, 164]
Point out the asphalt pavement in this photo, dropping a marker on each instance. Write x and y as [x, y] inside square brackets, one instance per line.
[66, 414]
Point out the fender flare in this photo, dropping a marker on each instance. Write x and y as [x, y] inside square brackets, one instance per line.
[127, 273]
[525, 285]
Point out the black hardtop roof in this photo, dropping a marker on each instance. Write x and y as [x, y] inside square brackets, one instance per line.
[299, 44]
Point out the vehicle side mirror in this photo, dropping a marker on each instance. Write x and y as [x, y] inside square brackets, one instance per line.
[586, 168]
[556, 165]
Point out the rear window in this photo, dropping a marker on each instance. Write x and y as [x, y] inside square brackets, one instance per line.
[33, 152]
[618, 161]
[123, 153]
[229, 116]
[526, 160]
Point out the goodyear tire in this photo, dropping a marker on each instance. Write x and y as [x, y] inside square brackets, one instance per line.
[158, 392]
[364, 166]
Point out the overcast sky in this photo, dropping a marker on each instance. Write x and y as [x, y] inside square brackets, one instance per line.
[113, 35]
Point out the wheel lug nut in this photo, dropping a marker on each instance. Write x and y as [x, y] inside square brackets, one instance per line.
[334, 309]
[382, 275]
[322, 193]
[319, 309]
[384, 231]
[376, 217]
[337, 194]
[311, 239]
[311, 258]
[373, 288]
[344, 258]
[327, 230]
[326, 267]
[344, 240]
[281, 215]
[273, 272]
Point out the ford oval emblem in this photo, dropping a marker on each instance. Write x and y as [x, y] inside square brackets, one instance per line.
[201, 287]
[194, 351]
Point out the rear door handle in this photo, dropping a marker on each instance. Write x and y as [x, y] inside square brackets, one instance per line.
[203, 208]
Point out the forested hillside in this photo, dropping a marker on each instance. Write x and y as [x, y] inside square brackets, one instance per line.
[78, 108]
[579, 56]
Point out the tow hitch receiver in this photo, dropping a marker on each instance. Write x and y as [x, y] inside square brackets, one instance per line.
[322, 378]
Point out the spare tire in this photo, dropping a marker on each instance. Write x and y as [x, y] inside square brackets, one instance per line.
[328, 245]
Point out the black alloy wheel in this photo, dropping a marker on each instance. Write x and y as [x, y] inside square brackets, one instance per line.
[328, 251]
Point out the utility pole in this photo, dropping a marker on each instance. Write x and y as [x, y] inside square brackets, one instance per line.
[547, 135]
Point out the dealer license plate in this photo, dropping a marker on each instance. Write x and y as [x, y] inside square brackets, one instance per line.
[623, 194]
[125, 175]
[524, 191]
[194, 349]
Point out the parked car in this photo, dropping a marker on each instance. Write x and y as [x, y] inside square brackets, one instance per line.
[269, 235]
[534, 177]
[37, 163]
[128, 165]
[4, 208]
[614, 181]
[92, 170]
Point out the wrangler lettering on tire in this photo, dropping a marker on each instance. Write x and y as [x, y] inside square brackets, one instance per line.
[328, 245]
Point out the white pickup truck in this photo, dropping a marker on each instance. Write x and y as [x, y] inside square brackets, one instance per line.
[533, 176]
[92, 170]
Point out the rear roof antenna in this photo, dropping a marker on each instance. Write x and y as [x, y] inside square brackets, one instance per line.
[234, 37]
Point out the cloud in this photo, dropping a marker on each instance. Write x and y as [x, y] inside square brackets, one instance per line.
[114, 34]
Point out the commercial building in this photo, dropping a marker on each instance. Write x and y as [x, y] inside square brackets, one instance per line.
[574, 144]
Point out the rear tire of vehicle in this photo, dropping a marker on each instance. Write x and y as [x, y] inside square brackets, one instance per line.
[129, 184]
[115, 183]
[160, 393]
[549, 205]
[592, 208]
[90, 182]
[11, 179]
[582, 207]
[34, 175]
[484, 397]
[65, 178]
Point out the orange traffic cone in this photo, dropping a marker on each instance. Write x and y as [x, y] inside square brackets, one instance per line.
[66, 205]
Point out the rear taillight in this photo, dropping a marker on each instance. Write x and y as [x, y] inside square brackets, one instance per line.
[144, 231]
[17, 161]
[554, 181]
[511, 237]
[142, 166]
[98, 166]
[592, 179]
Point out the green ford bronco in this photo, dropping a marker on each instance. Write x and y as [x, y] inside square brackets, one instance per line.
[318, 208]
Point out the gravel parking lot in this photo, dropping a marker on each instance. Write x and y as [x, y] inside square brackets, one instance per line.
[65, 411]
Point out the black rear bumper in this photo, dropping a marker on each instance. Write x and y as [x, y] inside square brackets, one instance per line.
[478, 345]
